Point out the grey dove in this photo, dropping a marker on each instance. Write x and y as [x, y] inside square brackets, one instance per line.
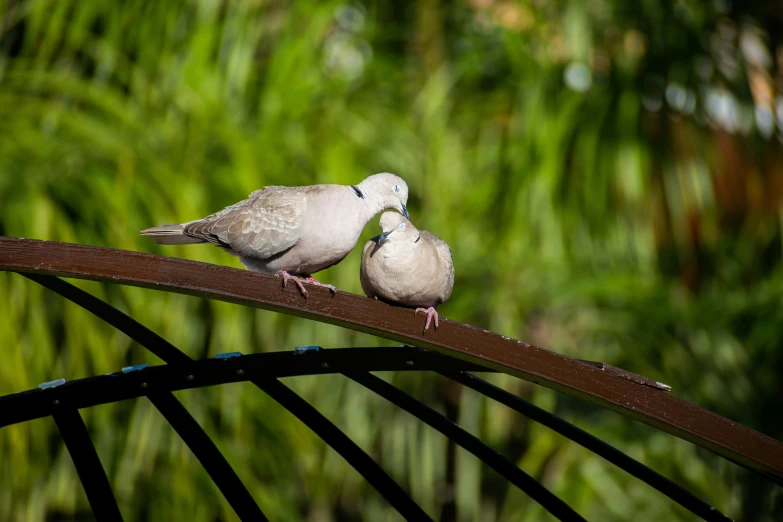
[407, 266]
[292, 231]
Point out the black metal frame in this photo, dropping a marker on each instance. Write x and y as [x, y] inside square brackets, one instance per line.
[633, 467]
[473, 444]
[88, 465]
[62, 402]
[215, 464]
[342, 444]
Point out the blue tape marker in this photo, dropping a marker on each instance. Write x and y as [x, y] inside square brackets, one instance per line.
[229, 355]
[305, 349]
[51, 384]
[135, 368]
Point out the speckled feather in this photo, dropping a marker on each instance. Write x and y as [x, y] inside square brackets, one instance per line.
[264, 225]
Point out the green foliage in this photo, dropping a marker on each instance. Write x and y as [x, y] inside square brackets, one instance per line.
[605, 174]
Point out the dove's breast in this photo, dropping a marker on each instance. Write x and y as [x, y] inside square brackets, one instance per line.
[331, 225]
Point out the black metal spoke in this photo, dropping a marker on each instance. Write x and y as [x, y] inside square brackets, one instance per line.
[339, 441]
[127, 325]
[597, 446]
[492, 458]
[88, 465]
[209, 455]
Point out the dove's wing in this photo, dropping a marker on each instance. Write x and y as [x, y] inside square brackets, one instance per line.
[447, 265]
[264, 225]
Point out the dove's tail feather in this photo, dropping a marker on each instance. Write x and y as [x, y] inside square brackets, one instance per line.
[170, 235]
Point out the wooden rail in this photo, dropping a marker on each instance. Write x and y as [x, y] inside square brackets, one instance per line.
[646, 404]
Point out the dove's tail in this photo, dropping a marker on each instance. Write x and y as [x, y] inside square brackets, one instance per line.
[170, 235]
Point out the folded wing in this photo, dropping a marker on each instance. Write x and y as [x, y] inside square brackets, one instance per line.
[264, 225]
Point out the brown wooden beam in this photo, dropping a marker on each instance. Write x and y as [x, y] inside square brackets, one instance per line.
[642, 403]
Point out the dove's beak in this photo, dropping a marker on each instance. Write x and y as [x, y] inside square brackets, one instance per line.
[385, 235]
[405, 211]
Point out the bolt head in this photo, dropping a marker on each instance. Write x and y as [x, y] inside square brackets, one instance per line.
[145, 385]
[191, 377]
[240, 372]
[410, 363]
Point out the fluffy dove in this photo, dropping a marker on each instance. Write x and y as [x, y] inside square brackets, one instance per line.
[292, 231]
[407, 266]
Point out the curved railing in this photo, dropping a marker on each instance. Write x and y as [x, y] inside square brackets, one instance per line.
[454, 350]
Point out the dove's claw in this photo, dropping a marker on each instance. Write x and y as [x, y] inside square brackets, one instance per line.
[313, 281]
[430, 314]
[286, 277]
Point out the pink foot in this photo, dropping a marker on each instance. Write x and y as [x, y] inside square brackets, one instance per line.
[313, 281]
[288, 277]
[430, 314]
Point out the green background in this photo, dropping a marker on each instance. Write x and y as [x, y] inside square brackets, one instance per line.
[607, 173]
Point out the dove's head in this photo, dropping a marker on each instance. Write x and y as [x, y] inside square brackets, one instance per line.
[388, 191]
[396, 229]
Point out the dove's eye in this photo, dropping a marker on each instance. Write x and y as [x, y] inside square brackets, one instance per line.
[396, 188]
